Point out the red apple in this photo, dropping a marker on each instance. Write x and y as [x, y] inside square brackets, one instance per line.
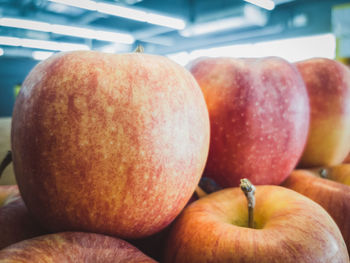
[328, 85]
[288, 228]
[259, 116]
[109, 143]
[16, 224]
[73, 247]
[333, 196]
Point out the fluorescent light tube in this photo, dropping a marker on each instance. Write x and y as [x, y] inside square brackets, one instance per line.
[41, 44]
[41, 55]
[68, 30]
[208, 27]
[266, 4]
[126, 12]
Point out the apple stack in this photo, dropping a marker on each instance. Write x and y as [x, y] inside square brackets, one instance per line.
[109, 149]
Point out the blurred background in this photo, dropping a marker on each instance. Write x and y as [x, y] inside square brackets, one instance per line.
[32, 30]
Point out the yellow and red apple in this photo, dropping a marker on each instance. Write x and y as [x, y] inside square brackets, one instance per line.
[109, 143]
[259, 118]
[332, 195]
[288, 227]
[328, 85]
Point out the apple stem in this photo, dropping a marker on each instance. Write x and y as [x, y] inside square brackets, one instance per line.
[5, 162]
[249, 190]
[139, 49]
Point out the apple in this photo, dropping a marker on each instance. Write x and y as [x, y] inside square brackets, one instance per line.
[328, 85]
[259, 118]
[333, 196]
[16, 224]
[109, 143]
[73, 247]
[8, 192]
[287, 227]
[339, 173]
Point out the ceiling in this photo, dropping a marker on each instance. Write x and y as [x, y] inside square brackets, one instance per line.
[232, 21]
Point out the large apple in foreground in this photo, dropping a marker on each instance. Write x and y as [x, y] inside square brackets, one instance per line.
[288, 228]
[328, 85]
[259, 117]
[109, 143]
[73, 247]
[333, 196]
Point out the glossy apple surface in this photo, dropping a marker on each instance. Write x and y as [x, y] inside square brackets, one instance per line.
[104, 142]
[328, 85]
[289, 228]
[73, 247]
[259, 117]
[333, 196]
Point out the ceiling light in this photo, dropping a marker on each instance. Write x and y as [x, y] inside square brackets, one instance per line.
[126, 12]
[251, 16]
[41, 55]
[68, 30]
[41, 44]
[266, 4]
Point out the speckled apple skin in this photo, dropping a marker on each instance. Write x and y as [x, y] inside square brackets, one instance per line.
[259, 117]
[333, 196]
[112, 144]
[328, 85]
[289, 228]
[73, 247]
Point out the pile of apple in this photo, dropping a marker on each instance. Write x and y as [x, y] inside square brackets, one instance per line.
[108, 151]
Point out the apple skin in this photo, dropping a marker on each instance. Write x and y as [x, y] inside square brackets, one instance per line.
[259, 118]
[73, 247]
[7, 192]
[16, 224]
[103, 142]
[333, 196]
[291, 228]
[339, 173]
[328, 85]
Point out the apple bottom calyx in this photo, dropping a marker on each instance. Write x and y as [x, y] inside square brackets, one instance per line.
[249, 190]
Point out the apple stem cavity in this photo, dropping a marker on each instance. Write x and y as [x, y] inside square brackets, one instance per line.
[249, 190]
[139, 49]
[5, 162]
